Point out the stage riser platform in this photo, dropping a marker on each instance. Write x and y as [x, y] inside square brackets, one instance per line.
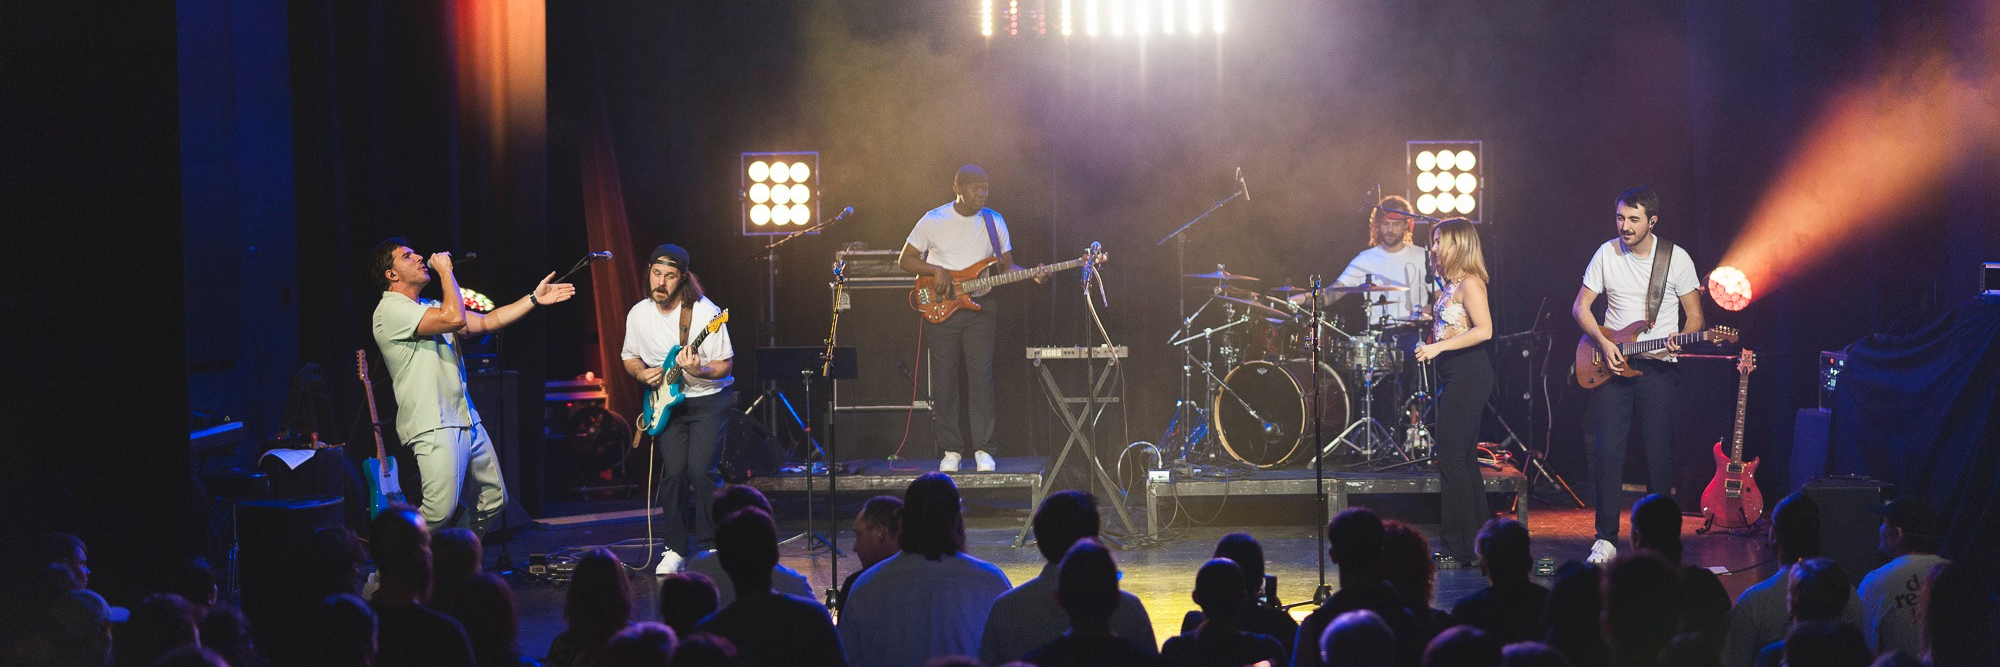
[1341, 487]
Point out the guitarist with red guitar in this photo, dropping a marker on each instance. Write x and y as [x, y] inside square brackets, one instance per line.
[677, 346]
[1650, 289]
[953, 243]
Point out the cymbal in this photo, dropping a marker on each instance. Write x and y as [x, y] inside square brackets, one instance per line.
[1366, 288]
[1219, 274]
[1253, 303]
[1288, 289]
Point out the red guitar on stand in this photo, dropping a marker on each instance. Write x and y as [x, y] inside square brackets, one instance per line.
[1732, 501]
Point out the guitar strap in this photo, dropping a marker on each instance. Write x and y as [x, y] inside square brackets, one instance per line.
[687, 320]
[1662, 248]
[992, 234]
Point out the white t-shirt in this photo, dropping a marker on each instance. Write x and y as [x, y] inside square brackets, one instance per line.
[953, 241]
[1409, 267]
[1623, 277]
[650, 334]
[1889, 602]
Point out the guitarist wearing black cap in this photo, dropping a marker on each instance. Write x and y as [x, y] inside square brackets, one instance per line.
[687, 379]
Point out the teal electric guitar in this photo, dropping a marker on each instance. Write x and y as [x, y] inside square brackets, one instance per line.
[383, 488]
[659, 402]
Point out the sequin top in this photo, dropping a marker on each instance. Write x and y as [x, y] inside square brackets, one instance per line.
[1451, 318]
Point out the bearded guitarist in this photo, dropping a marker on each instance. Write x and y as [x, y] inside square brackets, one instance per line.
[1643, 278]
[951, 238]
[688, 446]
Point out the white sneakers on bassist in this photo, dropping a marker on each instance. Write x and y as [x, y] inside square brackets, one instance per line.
[670, 562]
[950, 462]
[983, 462]
[1602, 552]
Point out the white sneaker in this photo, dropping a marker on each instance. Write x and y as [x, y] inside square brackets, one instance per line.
[983, 462]
[670, 562]
[950, 462]
[1602, 552]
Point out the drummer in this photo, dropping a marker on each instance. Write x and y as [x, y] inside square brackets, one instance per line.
[1390, 260]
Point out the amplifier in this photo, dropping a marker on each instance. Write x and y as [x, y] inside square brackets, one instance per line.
[1830, 365]
[871, 269]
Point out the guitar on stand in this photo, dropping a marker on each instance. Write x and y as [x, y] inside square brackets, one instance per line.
[383, 486]
[939, 302]
[1593, 371]
[1732, 501]
[671, 392]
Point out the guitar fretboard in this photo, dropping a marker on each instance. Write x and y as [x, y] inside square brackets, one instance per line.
[977, 284]
[1657, 343]
[1742, 399]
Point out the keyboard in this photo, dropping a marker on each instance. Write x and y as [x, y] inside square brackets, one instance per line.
[1072, 352]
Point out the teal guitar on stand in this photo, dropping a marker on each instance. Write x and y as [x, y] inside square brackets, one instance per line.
[671, 392]
[383, 487]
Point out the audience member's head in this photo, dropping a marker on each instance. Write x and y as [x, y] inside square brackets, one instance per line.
[1574, 617]
[876, 528]
[734, 497]
[1248, 555]
[1354, 541]
[641, 645]
[1407, 564]
[190, 656]
[685, 599]
[160, 623]
[1909, 526]
[1087, 584]
[932, 525]
[225, 631]
[1639, 615]
[1818, 590]
[194, 581]
[1504, 551]
[952, 661]
[326, 562]
[1656, 525]
[599, 603]
[1690, 649]
[344, 632]
[1826, 644]
[1462, 646]
[1532, 654]
[484, 604]
[1795, 528]
[79, 627]
[746, 543]
[455, 556]
[67, 550]
[1064, 518]
[1357, 639]
[702, 649]
[1895, 658]
[1955, 616]
[401, 544]
[1219, 590]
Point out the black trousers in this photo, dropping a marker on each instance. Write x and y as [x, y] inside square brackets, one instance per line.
[1619, 409]
[962, 347]
[1466, 379]
[687, 451]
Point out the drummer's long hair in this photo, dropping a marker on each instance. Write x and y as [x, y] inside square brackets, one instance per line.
[1394, 203]
[1455, 244]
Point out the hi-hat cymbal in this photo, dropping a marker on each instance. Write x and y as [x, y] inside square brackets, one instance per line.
[1219, 274]
[1288, 289]
[1366, 288]
[1256, 304]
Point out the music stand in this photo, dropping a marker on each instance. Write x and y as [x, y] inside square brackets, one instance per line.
[804, 362]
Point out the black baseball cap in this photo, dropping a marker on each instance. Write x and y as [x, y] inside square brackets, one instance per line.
[1912, 515]
[675, 256]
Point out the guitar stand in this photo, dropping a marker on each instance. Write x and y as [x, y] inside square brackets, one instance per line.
[1534, 466]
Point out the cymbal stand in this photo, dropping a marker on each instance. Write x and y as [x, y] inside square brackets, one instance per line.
[1372, 434]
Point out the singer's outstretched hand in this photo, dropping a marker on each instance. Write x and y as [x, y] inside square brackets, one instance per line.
[546, 293]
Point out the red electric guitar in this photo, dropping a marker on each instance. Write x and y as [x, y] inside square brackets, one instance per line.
[1732, 501]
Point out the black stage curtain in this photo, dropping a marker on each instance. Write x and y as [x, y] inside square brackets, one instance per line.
[1922, 411]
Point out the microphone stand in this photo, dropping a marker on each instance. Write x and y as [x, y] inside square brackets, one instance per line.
[832, 439]
[1180, 274]
[1323, 592]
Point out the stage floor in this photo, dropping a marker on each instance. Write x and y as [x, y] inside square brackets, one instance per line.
[1158, 573]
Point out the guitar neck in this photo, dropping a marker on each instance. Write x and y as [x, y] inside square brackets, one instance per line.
[374, 419]
[1638, 347]
[1742, 399]
[674, 372]
[976, 284]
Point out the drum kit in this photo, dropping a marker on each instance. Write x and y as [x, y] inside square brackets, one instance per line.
[1251, 355]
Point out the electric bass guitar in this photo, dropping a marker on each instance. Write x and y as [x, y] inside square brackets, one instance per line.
[939, 302]
[383, 487]
[671, 392]
[1732, 501]
[1592, 370]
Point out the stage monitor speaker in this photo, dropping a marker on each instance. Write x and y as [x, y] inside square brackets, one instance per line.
[516, 437]
[1812, 432]
[1848, 525]
[266, 532]
[874, 407]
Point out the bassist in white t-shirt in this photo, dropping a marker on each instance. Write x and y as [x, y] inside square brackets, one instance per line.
[1622, 271]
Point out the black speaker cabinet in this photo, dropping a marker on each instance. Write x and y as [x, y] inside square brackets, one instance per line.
[266, 531]
[1812, 433]
[516, 439]
[1848, 528]
[875, 406]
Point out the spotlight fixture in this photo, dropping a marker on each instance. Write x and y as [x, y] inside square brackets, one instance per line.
[1447, 178]
[779, 192]
[1729, 288]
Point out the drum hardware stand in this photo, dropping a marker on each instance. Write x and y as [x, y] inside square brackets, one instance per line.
[1416, 407]
[1191, 415]
[1180, 269]
[1372, 431]
[1534, 465]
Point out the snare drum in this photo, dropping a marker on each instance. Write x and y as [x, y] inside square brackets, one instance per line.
[1364, 354]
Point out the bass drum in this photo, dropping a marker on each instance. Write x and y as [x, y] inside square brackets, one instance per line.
[1279, 393]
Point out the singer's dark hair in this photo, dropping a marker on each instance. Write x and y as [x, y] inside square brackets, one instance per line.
[1641, 197]
[383, 258]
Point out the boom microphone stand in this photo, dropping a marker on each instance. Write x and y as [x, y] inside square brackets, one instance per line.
[1323, 592]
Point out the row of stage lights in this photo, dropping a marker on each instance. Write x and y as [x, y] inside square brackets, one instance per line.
[1096, 17]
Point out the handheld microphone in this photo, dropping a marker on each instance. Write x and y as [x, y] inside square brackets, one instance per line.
[600, 255]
